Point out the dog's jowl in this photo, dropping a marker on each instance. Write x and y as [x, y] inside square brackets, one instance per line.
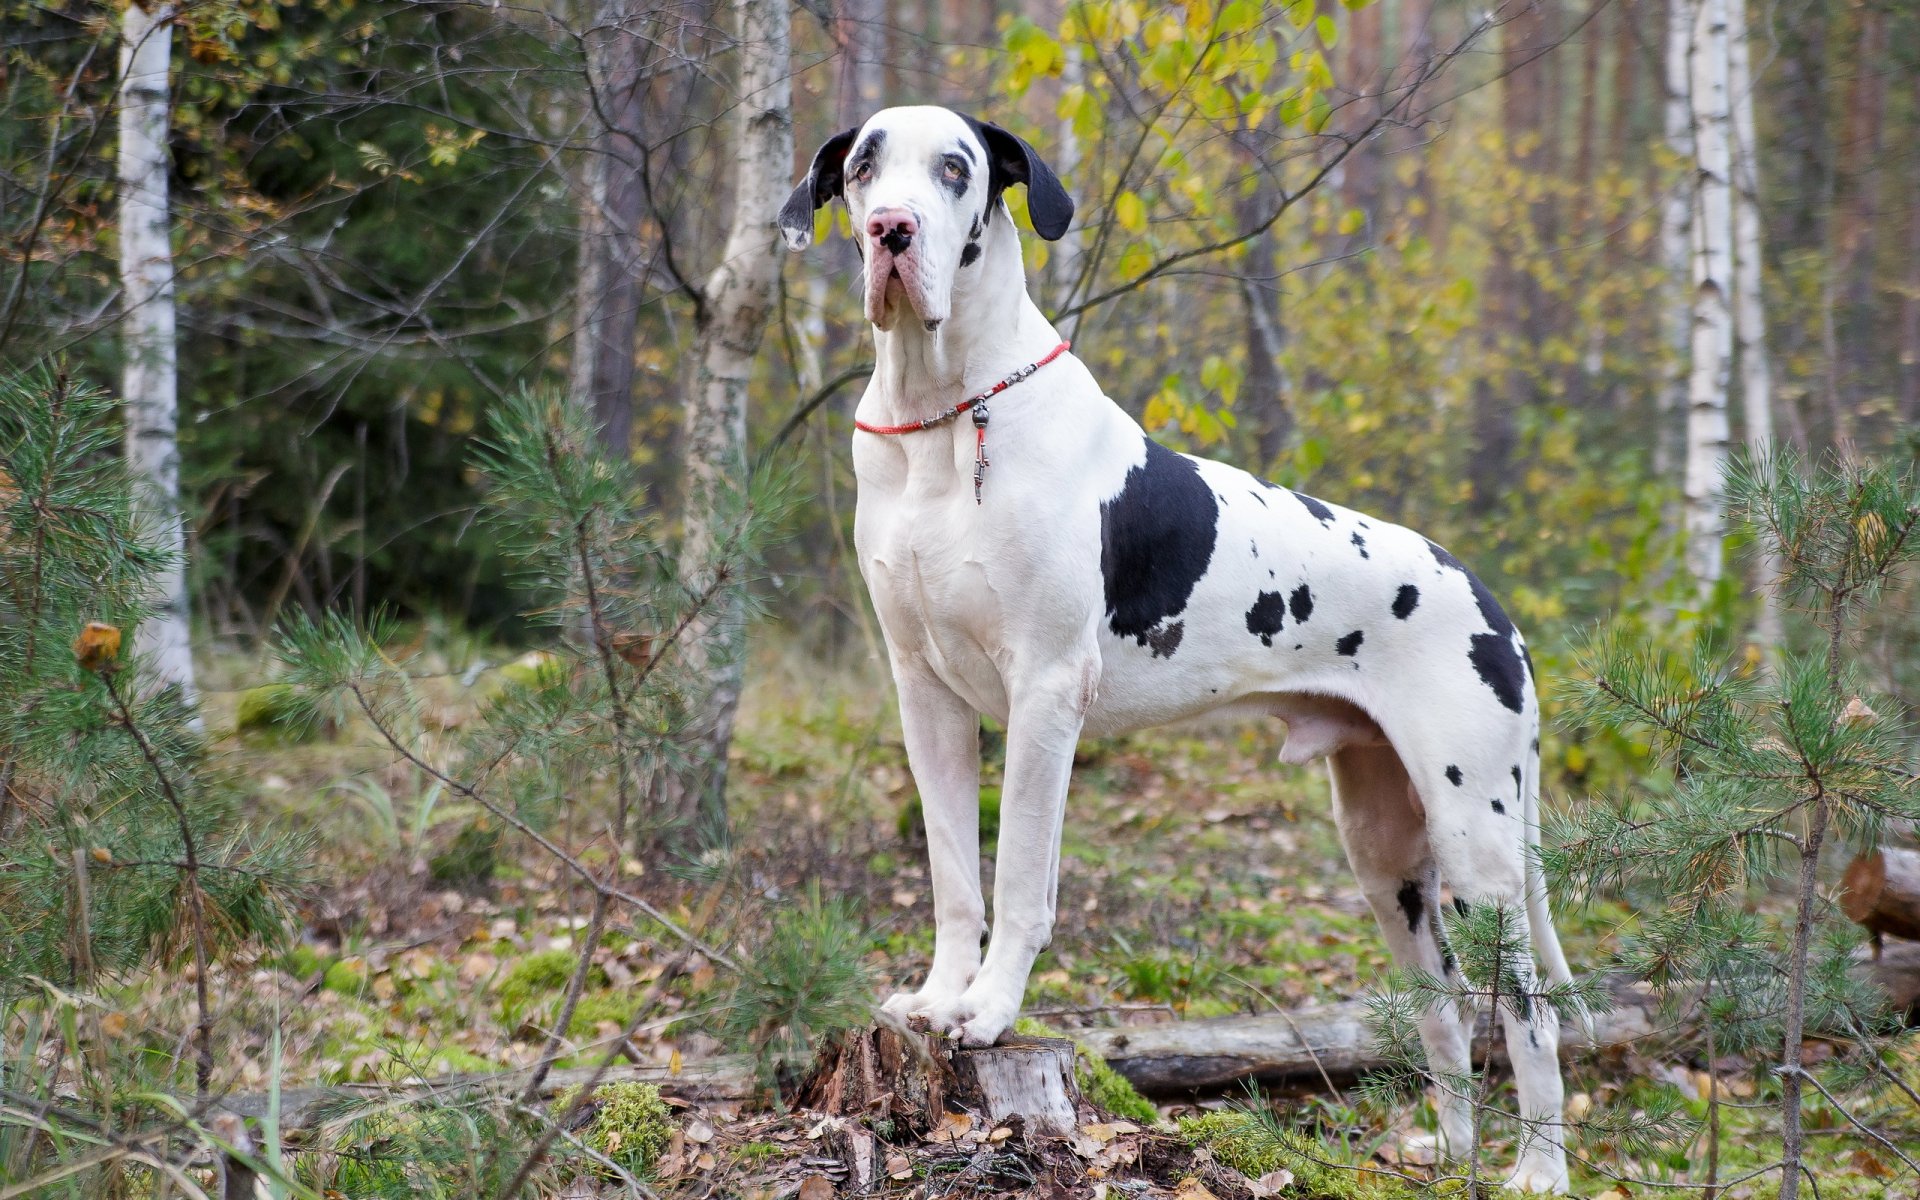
[1093, 582]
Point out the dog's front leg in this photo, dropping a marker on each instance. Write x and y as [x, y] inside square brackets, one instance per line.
[943, 749]
[1042, 730]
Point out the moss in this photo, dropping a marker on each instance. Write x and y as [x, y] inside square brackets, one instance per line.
[631, 1124]
[907, 824]
[273, 712]
[541, 974]
[1243, 1142]
[348, 977]
[302, 961]
[470, 859]
[754, 1153]
[597, 1007]
[534, 671]
[1106, 1088]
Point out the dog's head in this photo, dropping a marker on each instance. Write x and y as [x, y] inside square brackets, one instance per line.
[923, 186]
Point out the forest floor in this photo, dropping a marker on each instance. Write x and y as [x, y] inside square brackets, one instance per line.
[1199, 878]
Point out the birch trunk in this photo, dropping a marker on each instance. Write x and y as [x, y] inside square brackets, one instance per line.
[1750, 313]
[607, 293]
[1676, 233]
[737, 301]
[1712, 342]
[149, 386]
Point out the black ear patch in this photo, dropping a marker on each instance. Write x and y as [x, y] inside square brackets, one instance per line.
[1011, 160]
[826, 180]
[1156, 539]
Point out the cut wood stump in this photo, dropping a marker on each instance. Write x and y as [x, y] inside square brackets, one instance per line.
[909, 1080]
[1881, 891]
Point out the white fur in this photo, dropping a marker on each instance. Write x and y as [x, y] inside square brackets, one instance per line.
[1000, 608]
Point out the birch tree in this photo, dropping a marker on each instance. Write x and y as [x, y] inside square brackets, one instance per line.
[607, 294]
[149, 383]
[1676, 229]
[736, 301]
[1750, 313]
[1711, 369]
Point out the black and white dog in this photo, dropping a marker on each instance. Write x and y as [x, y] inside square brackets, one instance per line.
[1092, 582]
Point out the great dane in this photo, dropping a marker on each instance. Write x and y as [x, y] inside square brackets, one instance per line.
[1033, 555]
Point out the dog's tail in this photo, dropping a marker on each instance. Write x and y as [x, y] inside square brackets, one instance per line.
[1546, 942]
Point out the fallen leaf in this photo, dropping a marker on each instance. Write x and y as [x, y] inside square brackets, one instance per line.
[699, 1131]
[1271, 1184]
[705, 1162]
[816, 1187]
[899, 1167]
[1191, 1188]
[114, 1024]
[1870, 1164]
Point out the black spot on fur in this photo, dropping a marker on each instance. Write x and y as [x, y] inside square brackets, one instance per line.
[1349, 645]
[1526, 657]
[1411, 904]
[1253, 546]
[969, 254]
[1257, 496]
[1165, 639]
[1156, 539]
[1321, 512]
[1493, 656]
[1499, 808]
[979, 227]
[1499, 668]
[1360, 544]
[1266, 616]
[1517, 785]
[1300, 604]
[1454, 776]
[1405, 601]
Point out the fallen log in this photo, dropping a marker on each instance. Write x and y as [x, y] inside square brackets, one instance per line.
[1881, 892]
[1179, 1058]
[730, 1077]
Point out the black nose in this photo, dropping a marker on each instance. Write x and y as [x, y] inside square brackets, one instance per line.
[896, 240]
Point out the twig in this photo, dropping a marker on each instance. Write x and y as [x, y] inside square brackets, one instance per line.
[203, 1030]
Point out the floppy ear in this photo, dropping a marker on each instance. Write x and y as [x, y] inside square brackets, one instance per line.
[1013, 161]
[825, 181]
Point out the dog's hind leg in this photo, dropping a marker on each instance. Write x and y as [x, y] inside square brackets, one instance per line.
[1478, 813]
[943, 749]
[1385, 836]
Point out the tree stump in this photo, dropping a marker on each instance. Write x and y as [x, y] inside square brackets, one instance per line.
[1881, 891]
[902, 1082]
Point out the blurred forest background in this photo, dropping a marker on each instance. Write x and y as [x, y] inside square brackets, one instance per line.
[481, 454]
[1430, 259]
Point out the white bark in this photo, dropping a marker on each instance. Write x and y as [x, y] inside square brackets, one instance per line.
[607, 292]
[1749, 312]
[1676, 232]
[738, 300]
[1708, 435]
[149, 387]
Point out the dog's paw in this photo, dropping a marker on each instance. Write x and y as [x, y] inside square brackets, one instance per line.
[1540, 1174]
[905, 1004]
[989, 1023]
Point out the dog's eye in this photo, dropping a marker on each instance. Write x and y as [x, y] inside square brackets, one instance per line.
[863, 172]
[955, 171]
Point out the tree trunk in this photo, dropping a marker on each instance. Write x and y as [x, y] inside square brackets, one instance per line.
[149, 383]
[737, 302]
[607, 294]
[1712, 342]
[1750, 313]
[1881, 892]
[1676, 235]
[1910, 304]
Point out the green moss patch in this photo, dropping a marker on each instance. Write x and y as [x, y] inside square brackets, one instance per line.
[631, 1124]
[1241, 1141]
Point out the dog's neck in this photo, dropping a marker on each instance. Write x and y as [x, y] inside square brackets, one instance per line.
[993, 329]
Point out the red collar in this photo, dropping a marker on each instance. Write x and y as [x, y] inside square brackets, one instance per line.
[977, 405]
